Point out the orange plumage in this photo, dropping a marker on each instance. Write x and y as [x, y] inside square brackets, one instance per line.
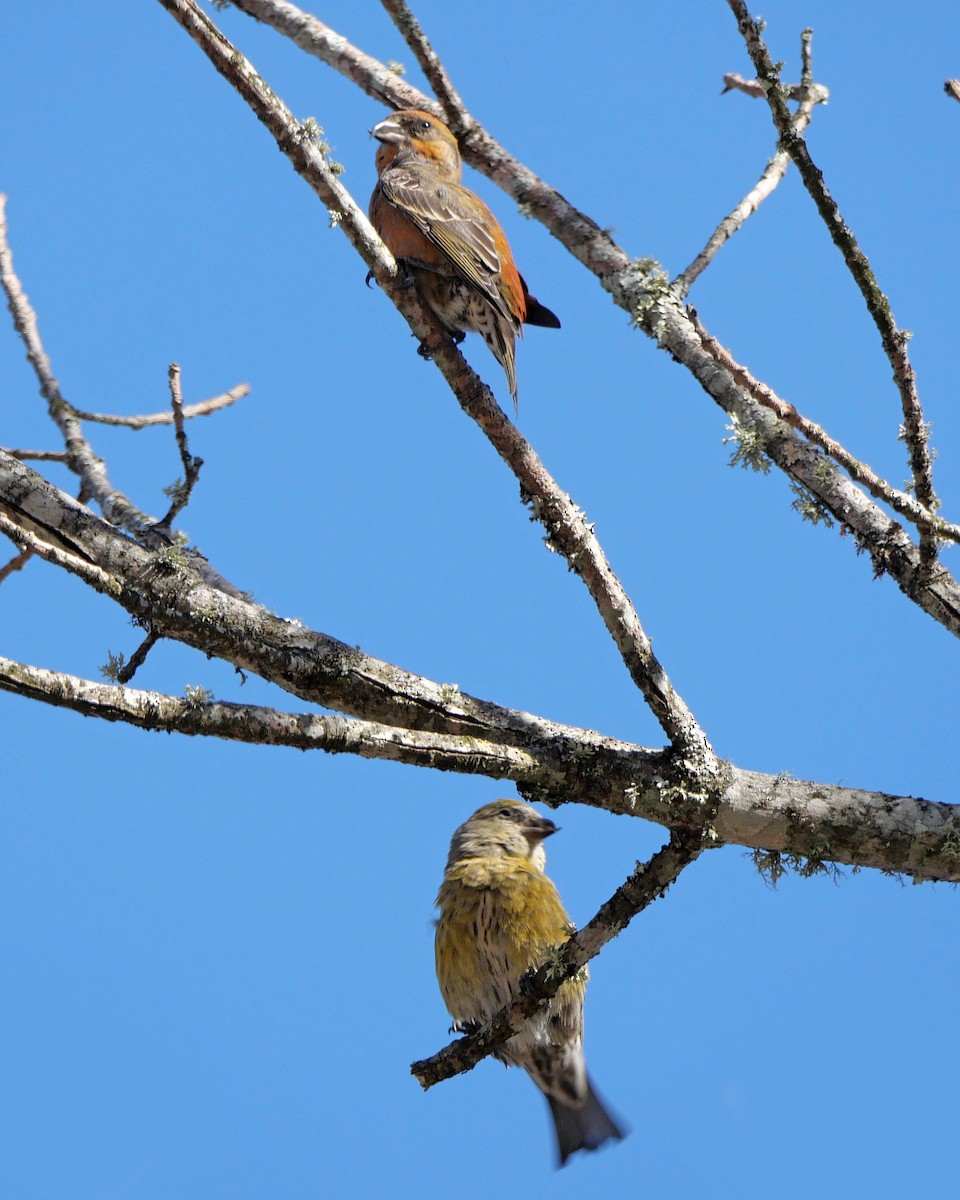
[447, 237]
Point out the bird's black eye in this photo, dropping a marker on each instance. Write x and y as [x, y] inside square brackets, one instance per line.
[507, 812]
[425, 125]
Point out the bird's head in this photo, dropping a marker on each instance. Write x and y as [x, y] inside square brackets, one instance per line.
[503, 828]
[412, 134]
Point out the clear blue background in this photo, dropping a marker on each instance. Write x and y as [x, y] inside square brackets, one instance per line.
[216, 959]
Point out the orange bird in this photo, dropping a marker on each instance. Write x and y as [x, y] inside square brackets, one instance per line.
[448, 239]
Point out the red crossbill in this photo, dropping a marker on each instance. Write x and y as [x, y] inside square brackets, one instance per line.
[447, 237]
[500, 916]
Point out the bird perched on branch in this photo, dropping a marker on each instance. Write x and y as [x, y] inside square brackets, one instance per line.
[448, 239]
[500, 916]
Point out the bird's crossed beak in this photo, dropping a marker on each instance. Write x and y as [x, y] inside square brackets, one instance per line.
[536, 829]
[387, 130]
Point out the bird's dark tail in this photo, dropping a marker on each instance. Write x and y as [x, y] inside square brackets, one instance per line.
[537, 313]
[584, 1128]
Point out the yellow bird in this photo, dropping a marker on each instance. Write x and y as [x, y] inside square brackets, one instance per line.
[500, 916]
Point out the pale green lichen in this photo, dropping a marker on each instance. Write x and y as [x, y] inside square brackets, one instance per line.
[113, 666]
[313, 132]
[809, 507]
[772, 865]
[654, 287]
[173, 558]
[750, 448]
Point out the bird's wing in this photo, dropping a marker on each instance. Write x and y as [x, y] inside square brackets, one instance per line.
[454, 220]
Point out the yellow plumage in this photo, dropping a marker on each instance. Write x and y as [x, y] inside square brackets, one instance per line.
[500, 916]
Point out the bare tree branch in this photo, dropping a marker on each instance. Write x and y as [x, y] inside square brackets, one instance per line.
[704, 801]
[824, 822]
[809, 96]
[28, 535]
[806, 61]
[201, 409]
[261, 726]
[79, 455]
[116, 507]
[906, 505]
[330, 47]
[454, 110]
[57, 456]
[894, 340]
[182, 490]
[165, 589]
[17, 563]
[932, 588]
[732, 81]
[126, 672]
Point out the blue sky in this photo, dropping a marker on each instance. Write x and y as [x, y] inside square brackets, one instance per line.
[217, 959]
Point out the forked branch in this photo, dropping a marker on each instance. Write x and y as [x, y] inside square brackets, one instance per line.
[893, 339]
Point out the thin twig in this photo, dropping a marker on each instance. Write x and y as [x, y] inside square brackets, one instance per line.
[809, 97]
[137, 658]
[181, 491]
[79, 457]
[646, 884]
[203, 409]
[116, 507]
[901, 502]
[734, 82]
[764, 187]
[58, 456]
[454, 110]
[566, 525]
[17, 563]
[894, 340]
[806, 59]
